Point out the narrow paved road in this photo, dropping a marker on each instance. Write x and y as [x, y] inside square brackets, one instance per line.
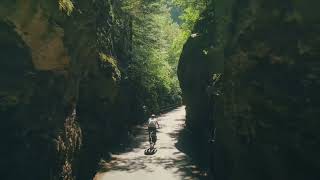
[169, 163]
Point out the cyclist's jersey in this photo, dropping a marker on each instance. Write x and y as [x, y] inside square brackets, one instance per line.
[152, 123]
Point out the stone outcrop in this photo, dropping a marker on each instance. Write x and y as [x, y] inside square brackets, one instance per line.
[266, 105]
[60, 85]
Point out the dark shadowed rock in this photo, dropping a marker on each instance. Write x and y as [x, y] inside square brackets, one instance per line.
[60, 84]
[266, 117]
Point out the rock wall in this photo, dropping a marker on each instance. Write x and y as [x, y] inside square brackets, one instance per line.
[265, 106]
[60, 85]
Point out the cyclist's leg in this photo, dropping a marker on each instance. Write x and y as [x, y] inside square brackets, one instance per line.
[151, 141]
[149, 132]
[154, 139]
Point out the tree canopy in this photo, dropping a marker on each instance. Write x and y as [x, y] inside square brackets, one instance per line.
[158, 38]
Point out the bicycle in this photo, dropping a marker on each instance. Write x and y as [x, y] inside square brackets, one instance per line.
[152, 142]
[152, 139]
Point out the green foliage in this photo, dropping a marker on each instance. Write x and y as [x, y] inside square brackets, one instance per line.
[131, 6]
[7, 101]
[157, 43]
[191, 12]
[108, 62]
[66, 6]
[152, 71]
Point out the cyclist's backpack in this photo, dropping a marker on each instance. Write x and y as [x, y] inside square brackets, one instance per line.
[152, 123]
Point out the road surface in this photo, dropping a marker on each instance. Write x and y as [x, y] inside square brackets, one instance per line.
[169, 163]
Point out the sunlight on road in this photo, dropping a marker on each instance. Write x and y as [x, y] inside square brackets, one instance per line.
[169, 163]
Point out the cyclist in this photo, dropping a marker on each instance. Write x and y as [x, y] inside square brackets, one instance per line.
[152, 128]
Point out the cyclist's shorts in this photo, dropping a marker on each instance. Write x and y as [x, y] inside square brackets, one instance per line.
[150, 129]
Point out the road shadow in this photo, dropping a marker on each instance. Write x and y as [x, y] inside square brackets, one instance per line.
[195, 149]
[134, 139]
[180, 163]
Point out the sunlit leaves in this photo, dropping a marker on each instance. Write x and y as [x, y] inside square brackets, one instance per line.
[191, 12]
[157, 45]
[66, 6]
[153, 68]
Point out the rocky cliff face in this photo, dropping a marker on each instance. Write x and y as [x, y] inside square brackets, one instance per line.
[266, 107]
[54, 56]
